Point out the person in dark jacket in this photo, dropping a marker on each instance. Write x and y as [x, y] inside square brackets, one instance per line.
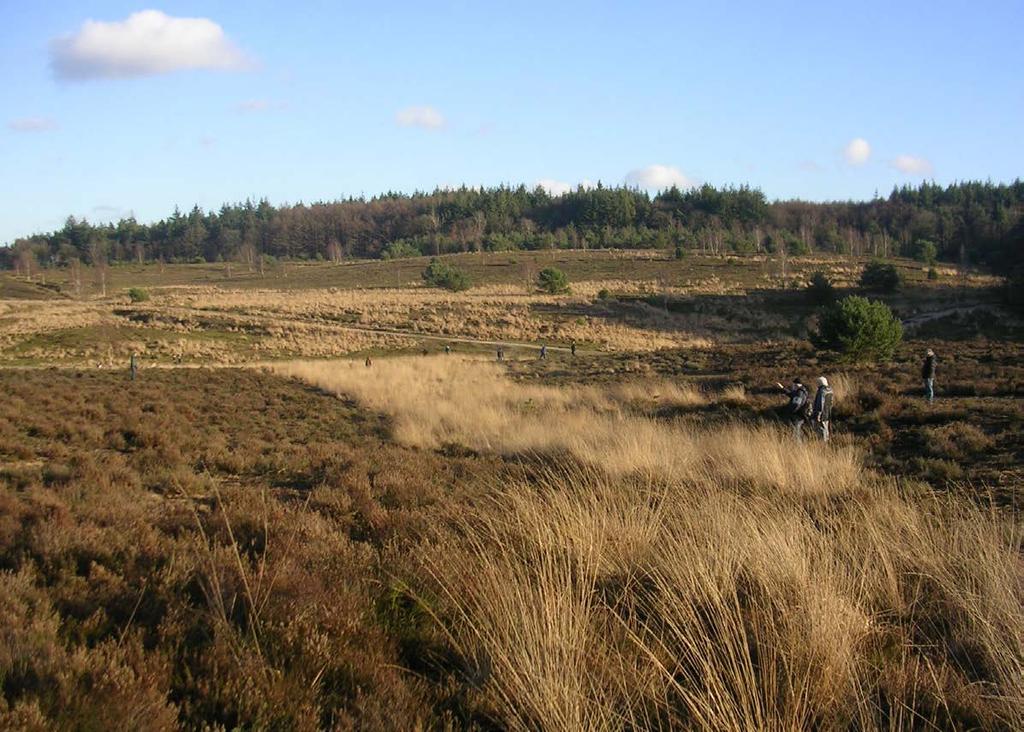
[821, 412]
[133, 365]
[928, 375]
[798, 406]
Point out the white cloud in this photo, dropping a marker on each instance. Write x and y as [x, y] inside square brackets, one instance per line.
[857, 151]
[659, 177]
[554, 187]
[426, 118]
[145, 43]
[258, 105]
[912, 165]
[32, 124]
[560, 187]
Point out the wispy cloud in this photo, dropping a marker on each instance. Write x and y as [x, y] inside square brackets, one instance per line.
[857, 151]
[106, 212]
[32, 124]
[144, 44]
[659, 177]
[253, 106]
[427, 118]
[913, 165]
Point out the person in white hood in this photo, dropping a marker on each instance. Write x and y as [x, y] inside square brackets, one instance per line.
[821, 412]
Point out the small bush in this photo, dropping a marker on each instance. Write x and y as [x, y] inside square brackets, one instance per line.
[938, 471]
[956, 441]
[860, 329]
[553, 281]
[933, 274]
[820, 291]
[925, 251]
[400, 249]
[880, 277]
[604, 294]
[446, 276]
[796, 246]
[137, 294]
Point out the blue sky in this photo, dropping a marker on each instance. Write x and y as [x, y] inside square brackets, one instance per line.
[207, 102]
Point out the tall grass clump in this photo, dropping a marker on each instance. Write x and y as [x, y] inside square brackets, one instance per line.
[587, 602]
[438, 401]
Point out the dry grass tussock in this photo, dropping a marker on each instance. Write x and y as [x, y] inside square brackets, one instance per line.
[592, 603]
[441, 400]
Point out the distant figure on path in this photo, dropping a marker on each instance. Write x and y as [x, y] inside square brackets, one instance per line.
[928, 375]
[501, 353]
[369, 362]
[447, 349]
[133, 365]
[798, 408]
[543, 351]
[572, 348]
[821, 414]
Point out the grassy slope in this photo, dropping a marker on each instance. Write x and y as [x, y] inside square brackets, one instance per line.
[484, 269]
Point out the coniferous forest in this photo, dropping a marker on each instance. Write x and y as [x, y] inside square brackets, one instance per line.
[975, 222]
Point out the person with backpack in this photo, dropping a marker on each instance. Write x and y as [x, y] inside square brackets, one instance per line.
[798, 406]
[928, 375]
[821, 412]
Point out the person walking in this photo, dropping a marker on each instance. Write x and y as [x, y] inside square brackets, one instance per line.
[369, 362]
[447, 349]
[543, 351]
[798, 406]
[928, 375]
[821, 412]
[501, 353]
[572, 348]
[133, 365]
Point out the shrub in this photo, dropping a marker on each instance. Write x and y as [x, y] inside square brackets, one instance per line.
[820, 291]
[137, 294]
[796, 246]
[553, 280]
[933, 274]
[860, 329]
[604, 294]
[880, 277]
[399, 249]
[925, 251]
[446, 276]
[679, 252]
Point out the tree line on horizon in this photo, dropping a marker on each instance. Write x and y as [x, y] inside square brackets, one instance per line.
[978, 222]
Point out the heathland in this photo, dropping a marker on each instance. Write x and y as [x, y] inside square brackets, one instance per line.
[303, 513]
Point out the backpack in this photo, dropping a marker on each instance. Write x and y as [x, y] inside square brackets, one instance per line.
[800, 403]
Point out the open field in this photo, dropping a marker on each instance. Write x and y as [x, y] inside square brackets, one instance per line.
[620, 302]
[281, 537]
